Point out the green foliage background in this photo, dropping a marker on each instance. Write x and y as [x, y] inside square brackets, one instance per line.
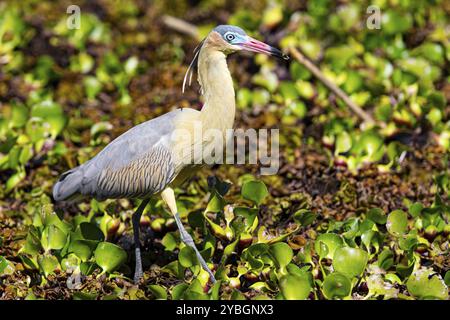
[356, 211]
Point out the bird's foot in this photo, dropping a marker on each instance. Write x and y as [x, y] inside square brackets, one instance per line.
[187, 239]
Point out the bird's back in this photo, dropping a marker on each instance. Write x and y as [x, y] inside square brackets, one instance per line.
[138, 163]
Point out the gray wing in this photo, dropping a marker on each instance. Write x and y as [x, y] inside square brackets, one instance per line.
[136, 164]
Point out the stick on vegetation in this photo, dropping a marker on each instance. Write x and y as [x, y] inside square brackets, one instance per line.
[330, 85]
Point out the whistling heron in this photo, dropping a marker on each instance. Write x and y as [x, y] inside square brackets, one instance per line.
[142, 162]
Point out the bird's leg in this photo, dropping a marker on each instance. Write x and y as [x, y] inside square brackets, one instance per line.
[136, 219]
[169, 198]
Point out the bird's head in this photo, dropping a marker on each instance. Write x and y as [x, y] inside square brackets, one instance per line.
[229, 39]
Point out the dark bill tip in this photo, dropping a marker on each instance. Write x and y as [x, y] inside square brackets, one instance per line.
[277, 53]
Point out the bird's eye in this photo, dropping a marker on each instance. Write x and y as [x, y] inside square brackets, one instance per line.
[229, 37]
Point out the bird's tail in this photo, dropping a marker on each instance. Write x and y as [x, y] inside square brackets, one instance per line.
[68, 185]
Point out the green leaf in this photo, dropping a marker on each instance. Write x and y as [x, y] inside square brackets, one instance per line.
[350, 261]
[83, 249]
[53, 238]
[216, 203]
[254, 191]
[295, 287]
[47, 264]
[397, 223]
[426, 284]
[109, 256]
[6, 267]
[90, 231]
[178, 291]
[169, 241]
[343, 143]
[304, 217]
[281, 253]
[187, 257]
[32, 243]
[158, 291]
[377, 215]
[332, 242]
[447, 278]
[386, 259]
[14, 180]
[336, 285]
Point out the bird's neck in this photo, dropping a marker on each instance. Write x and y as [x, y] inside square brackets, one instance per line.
[217, 89]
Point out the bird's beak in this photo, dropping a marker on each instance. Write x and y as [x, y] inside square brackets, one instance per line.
[261, 47]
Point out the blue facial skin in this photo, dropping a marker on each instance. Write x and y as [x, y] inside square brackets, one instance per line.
[234, 38]
[231, 34]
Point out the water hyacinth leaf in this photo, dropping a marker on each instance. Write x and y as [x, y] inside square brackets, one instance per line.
[304, 217]
[14, 180]
[281, 253]
[377, 215]
[6, 267]
[19, 116]
[350, 261]
[395, 22]
[90, 231]
[447, 278]
[32, 243]
[426, 284]
[295, 287]
[305, 89]
[87, 268]
[288, 91]
[332, 242]
[415, 209]
[169, 241]
[92, 86]
[343, 143]
[386, 259]
[397, 223]
[158, 291]
[250, 215]
[237, 295]
[336, 285]
[352, 228]
[131, 65]
[99, 128]
[109, 256]
[378, 287]
[83, 249]
[187, 257]
[80, 295]
[255, 191]
[408, 242]
[47, 264]
[195, 291]
[367, 237]
[216, 203]
[53, 238]
[52, 113]
[178, 291]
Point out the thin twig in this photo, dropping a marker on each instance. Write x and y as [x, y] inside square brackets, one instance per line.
[330, 85]
[181, 26]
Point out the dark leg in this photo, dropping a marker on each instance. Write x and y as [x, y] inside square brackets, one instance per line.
[136, 218]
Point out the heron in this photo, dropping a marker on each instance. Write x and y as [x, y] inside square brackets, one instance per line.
[142, 163]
